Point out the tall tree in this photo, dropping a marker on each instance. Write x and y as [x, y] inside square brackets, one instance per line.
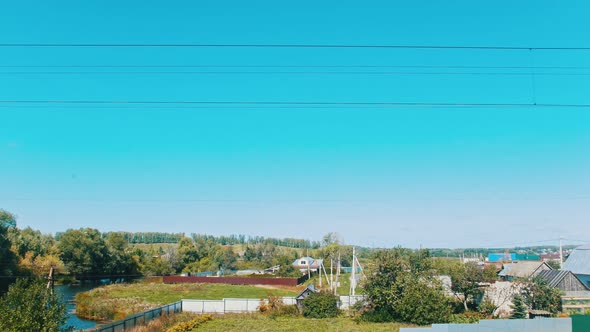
[401, 287]
[7, 219]
[84, 252]
[8, 260]
[540, 296]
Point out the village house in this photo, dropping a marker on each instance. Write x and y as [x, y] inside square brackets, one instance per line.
[305, 264]
[563, 280]
[522, 270]
[579, 263]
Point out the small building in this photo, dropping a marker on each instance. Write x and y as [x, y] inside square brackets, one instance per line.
[539, 314]
[522, 270]
[562, 280]
[310, 289]
[305, 264]
[579, 263]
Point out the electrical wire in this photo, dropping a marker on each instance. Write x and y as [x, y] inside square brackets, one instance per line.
[290, 103]
[304, 46]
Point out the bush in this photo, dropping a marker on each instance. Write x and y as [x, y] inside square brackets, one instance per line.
[373, 315]
[190, 325]
[321, 305]
[276, 308]
[469, 317]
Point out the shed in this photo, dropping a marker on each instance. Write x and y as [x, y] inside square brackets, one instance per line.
[539, 313]
[579, 263]
[562, 280]
[310, 289]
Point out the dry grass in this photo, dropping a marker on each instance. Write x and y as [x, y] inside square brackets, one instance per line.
[164, 322]
[263, 323]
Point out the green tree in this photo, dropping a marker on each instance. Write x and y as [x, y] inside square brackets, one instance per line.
[401, 286]
[29, 240]
[540, 296]
[30, 306]
[466, 279]
[7, 219]
[188, 252]
[8, 260]
[519, 309]
[84, 252]
[321, 305]
[120, 260]
[422, 301]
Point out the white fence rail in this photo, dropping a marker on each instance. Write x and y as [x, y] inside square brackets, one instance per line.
[248, 305]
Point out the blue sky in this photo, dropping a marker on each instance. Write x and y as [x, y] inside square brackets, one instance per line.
[412, 176]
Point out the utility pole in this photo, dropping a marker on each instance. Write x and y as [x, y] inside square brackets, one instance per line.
[353, 273]
[51, 279]
[331, 275]
[320, 271]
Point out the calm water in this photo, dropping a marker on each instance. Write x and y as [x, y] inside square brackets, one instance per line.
[69, 293]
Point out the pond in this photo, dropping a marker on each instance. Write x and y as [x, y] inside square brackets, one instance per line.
[69, 294]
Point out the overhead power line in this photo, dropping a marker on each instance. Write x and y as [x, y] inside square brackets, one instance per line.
[325, 46]
[290, 103]
[300, 66]
[287, 73]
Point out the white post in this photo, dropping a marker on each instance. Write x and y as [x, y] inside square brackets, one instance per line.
[352, 274]
[320, 270]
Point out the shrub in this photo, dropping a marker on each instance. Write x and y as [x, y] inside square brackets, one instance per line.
[321, 305]
[190, 325]
[276, 308]
[468, 317]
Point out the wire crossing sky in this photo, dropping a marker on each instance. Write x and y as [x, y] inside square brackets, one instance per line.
[424, 123]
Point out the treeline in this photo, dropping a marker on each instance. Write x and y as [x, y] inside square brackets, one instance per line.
[150, 237]
[253, 240]
[141, 237]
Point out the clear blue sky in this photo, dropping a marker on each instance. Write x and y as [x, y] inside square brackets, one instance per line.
[378, 176]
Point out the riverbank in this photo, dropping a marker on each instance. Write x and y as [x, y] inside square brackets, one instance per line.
[118, 301]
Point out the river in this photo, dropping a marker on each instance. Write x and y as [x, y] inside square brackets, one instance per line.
[69, 293]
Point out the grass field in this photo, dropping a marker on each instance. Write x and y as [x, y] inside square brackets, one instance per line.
[118, 301]
[262, 323]
[168, 293]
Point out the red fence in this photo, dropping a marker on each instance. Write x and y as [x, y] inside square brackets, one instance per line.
[232, 280]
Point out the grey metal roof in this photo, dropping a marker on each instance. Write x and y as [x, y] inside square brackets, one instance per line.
[553, 277]
[579, 260]
[522, 269]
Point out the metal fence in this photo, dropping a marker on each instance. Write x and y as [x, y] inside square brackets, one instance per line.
[140, 318]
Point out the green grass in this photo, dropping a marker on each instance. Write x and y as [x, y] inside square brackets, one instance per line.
[168, 293]
[262, 323]
[344, 280]
[121, 300]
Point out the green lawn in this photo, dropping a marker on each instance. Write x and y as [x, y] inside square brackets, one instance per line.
[344, 281]
[168, 293]
[262, 323]
[121, 300]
